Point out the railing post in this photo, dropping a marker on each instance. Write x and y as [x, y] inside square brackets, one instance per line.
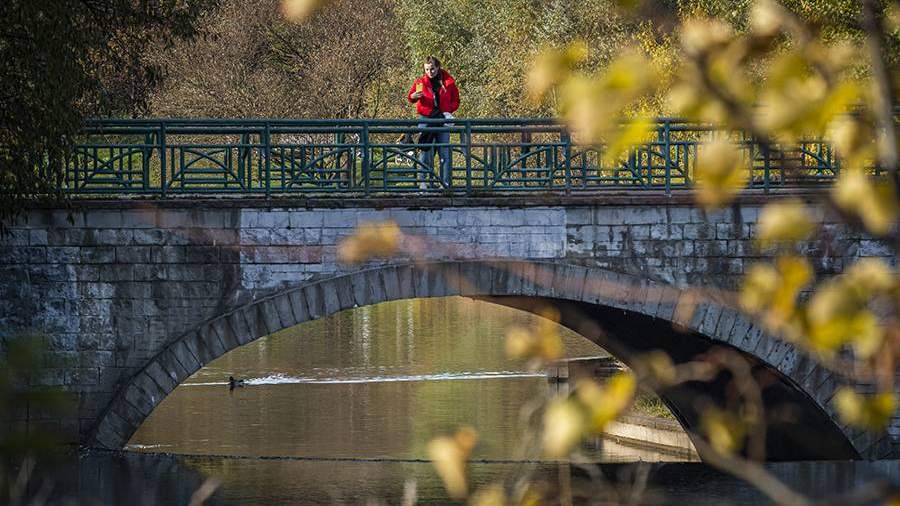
[767, 161]
[364, 141]
[162, 158]
[267, 147]
[567, 156]
[468, 135]
[147, 154]
[667, 146]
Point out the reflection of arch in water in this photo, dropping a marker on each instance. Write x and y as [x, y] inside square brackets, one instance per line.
[623, 314]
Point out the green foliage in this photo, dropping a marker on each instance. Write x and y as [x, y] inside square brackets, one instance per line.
[488, 45]
[62, 61]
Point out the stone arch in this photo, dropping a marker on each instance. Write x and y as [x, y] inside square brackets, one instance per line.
[578, 290]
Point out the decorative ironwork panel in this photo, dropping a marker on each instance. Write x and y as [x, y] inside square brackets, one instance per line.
[267, 157]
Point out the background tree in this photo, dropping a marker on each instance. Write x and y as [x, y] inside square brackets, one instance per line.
[65, 60]
[344, 62]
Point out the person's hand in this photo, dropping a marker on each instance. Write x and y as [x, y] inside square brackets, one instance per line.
[416, 95]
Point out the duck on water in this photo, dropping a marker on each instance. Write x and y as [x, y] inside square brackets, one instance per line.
[234, 383]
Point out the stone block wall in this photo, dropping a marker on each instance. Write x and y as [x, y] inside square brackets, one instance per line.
[111, 284]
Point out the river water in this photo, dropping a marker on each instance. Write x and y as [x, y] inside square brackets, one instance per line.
[340, 410]
[374, 382]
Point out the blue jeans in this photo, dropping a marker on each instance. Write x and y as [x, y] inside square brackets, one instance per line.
[426, 156]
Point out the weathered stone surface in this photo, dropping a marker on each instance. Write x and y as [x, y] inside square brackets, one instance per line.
[116, 287]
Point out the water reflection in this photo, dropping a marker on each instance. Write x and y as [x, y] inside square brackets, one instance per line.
[100, 478]
[340, 410]
[376, 381]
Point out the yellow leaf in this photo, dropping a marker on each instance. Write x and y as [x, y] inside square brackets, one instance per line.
[299, 10]
[553, 66]
[492, 495]
[370, 240]
[449, 455]
[867, 335]
[766, 18]
[773, 291]
[721, 172]
[870, 413]
[785, 221]
[607, 402]
[701, 35]
[725, 431]
[870, 276]
[853, 141]
[760, 283]
[635, 132]
[545, 343]
[564, 426]
[837, 315]
[519, 343]
[660, 366]
[585, 111]
[838, 102]
[794, 273]
[875, 203]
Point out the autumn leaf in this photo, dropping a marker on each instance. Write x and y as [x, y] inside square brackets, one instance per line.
[784, 222]
[552, 67]
[449, 456]
[725, 431]
[721, 172]
[564, 425]
[298, 10]
[492, 495]
[606, 402]
[772, 291]
[875, 203]
[370, 240]
[870, 413]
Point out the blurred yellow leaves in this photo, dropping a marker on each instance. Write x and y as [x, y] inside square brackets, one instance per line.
[587, 411]
[871, 413]
[765, 18]
[838, 312]
[552, 66]
[564, 425]
[772, 291]
[541, 344]
[606, 402]
[874, 203]
[658, 365]
[600, 108]
[700, 36]
[370, 240]
[299, 10]
[449, 455]
[784, 222]
[725, 430]
[797, 101]
[721, 172]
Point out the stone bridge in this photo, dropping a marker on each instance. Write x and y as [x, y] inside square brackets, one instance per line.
[135, 296]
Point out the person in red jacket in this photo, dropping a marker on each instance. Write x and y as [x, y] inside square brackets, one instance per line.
[436, 96]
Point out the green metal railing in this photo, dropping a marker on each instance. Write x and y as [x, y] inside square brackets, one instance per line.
[271, 157]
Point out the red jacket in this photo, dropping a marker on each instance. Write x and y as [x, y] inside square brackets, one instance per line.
[448, 94]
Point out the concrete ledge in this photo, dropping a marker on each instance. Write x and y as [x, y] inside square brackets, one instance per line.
[654, 433]
[604, 197]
